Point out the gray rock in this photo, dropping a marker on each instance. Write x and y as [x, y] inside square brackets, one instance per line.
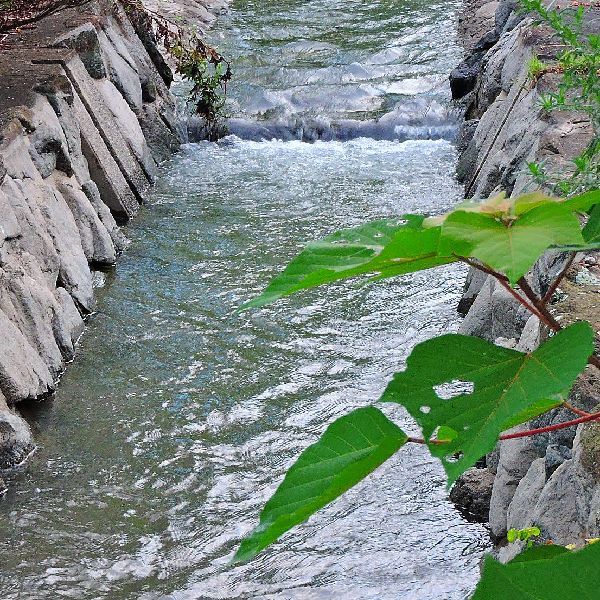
[90, 189]
[494, 314]
[104, 170]
[556, 455]
[23, 374]
[96, 241]
[519, 514]
[122, 72]
[84, 40]
[67, 324]
[515, 459]
[9, 225]
[473, 284]
[16, 442]
[472, 493]
[532, 336]
[73, 270]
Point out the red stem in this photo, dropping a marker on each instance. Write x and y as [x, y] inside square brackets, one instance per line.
[530, 432]
[584, 418]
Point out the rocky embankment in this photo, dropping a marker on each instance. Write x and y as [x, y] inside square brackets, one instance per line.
[86, 117]
[550, 480]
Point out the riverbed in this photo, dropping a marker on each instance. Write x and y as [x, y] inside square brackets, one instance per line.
[180, 415]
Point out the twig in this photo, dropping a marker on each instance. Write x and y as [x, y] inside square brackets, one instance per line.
[548, 296]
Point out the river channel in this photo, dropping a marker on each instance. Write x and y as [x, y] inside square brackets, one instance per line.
[180, 416]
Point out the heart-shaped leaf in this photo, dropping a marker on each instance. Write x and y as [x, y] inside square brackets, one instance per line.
[503, 387]
[510, 245]
[383, 248]
[351, 448]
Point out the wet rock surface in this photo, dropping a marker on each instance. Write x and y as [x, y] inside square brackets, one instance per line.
[85, 119]
[472, 493]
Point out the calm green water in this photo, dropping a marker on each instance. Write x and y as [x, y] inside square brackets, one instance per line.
[179, 417]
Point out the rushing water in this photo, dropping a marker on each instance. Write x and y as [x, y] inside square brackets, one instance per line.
[180, 416]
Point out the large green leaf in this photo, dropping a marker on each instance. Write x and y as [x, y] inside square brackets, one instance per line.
[584, 202]
[508, 387]
[591, 232]
[540, 574]
[350, 449]
[385, 248]
[510, 245]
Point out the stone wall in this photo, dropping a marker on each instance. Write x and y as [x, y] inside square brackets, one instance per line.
[549, 480]
[86, 117]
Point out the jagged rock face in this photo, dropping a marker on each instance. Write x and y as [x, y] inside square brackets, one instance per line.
[79, 147]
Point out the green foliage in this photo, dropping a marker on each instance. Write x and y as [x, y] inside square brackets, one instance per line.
[578, 90]
[508, 235]
[513, 243]
[209, 74]
[351, 448]
[543, 573]
[535, 68]
[509, 387]
[523, 535]
[385, 248]
[591, 232]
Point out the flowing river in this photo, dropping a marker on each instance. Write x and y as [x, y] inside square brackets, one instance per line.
[180, 416]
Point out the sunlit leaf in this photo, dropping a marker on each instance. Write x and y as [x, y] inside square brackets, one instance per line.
[383, 248]
[351, 448]
[468, 390]
[510, 246]
[543, 573]
[584, 202]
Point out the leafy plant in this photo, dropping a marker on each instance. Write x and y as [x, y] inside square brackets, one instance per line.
[524, 535]
[535, 68]
[209, 74]
[542, 573]
[465, 402]
[578, 90]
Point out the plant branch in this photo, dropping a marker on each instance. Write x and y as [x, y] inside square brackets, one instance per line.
[539, 305]
[530, 432]
[577, 411]
[548, 296]
[481, 267]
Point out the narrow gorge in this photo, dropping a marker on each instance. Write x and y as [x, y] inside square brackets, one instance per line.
[144, 420]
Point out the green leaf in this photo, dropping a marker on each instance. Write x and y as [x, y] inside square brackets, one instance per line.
[540, 553]
[591, 232]
[505, 384]
[351, 448]
[542, 574]
[584, 202]
[385, 248]
[510, 245]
